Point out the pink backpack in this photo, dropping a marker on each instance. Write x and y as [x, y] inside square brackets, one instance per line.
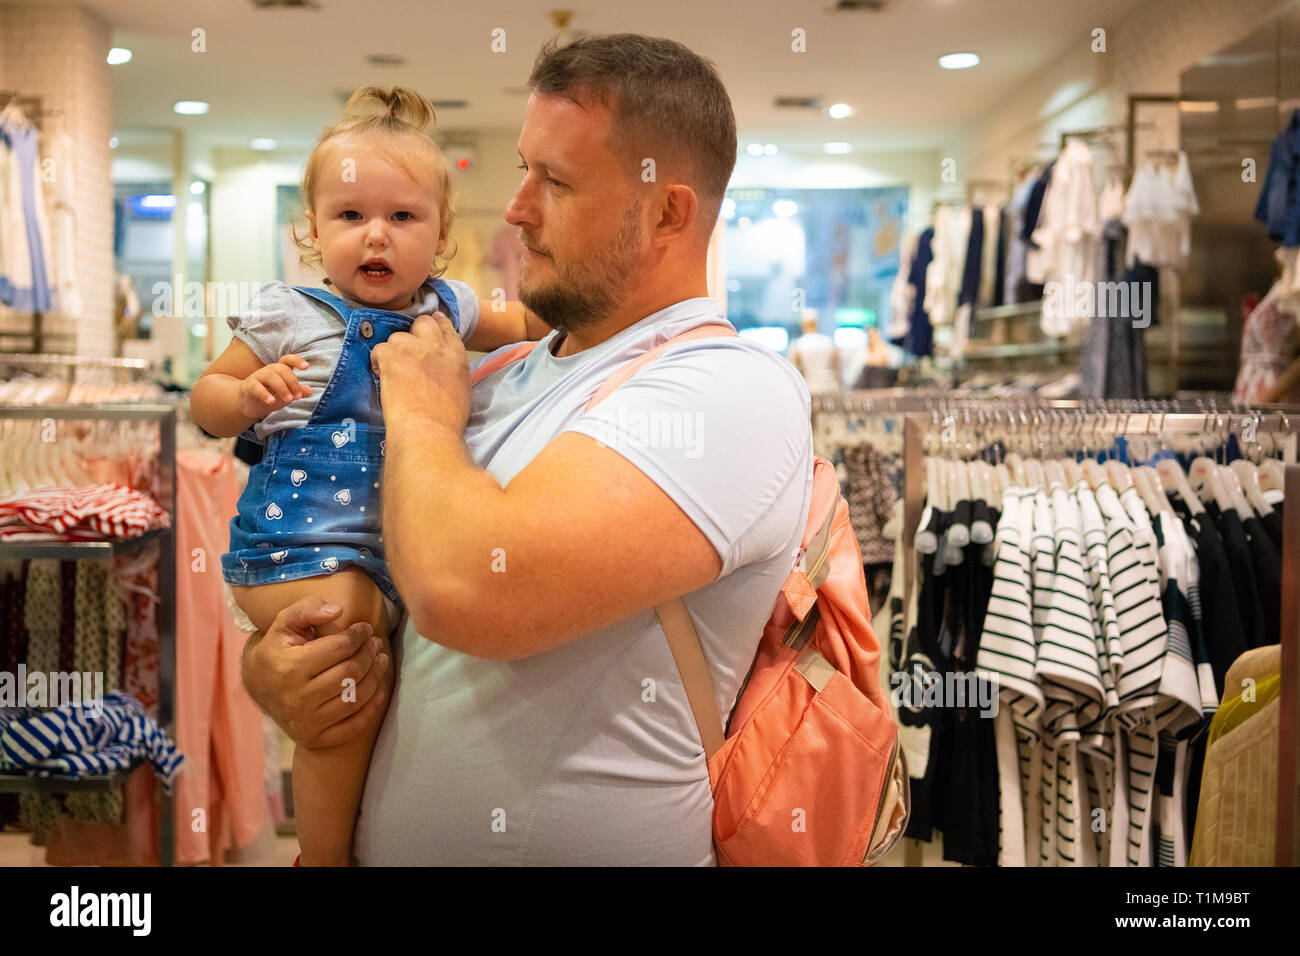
[809, 771]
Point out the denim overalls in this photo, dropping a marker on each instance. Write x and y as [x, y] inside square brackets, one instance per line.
[312, 506]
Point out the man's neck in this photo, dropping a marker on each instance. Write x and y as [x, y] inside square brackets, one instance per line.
[579, 340]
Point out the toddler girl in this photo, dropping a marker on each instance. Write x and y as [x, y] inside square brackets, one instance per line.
[297, 371]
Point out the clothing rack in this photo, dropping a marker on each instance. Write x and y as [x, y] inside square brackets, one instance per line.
[164, 416]
[71, 363]
[1154, 422]
[36, 114]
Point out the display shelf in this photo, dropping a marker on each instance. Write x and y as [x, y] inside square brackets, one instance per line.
[164, 416]
[76, 550]
[31, 783]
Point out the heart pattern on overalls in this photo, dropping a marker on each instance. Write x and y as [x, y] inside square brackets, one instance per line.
[298, 476]
[340, 439]
[343, 496]
[278, 556]
[330, 564]
[273, 511]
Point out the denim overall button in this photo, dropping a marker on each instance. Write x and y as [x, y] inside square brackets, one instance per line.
[367, 330]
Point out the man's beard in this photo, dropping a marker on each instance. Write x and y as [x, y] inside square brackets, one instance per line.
[582, 293]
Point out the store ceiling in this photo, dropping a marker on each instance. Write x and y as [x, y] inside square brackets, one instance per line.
[275, 73]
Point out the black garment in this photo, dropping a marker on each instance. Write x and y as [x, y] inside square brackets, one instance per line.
[1034, 206]
[1244, 582]
[1267, 561]
[919, 339]
[970, 276]
[958, 794]
[877, 376]
[1000, 262]
[1221, 620]
[1273, 525]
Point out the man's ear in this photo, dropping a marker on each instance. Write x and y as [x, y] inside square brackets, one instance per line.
[678, 207]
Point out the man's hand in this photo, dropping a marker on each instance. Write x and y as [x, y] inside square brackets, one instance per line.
[272, 387]
[425, 369]
[296, 677]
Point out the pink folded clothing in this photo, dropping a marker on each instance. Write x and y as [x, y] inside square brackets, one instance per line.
[95, 512]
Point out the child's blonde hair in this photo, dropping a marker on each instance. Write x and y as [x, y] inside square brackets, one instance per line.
[408, 120]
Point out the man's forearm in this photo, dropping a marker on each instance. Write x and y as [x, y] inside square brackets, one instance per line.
[442, 514]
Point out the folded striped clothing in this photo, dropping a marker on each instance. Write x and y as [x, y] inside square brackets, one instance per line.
[81, 740]
[107, 511]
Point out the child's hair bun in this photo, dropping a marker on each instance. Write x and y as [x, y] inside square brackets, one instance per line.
[404, 105]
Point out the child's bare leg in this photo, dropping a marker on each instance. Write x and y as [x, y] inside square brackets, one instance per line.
[327, 783]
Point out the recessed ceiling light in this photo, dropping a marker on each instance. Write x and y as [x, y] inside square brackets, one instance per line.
[729, 211]
[959, 61]
[755, 149]
[112, 143]
[118, 55]
[769, 149]
[840, 110]
[261, 142]
[196, 188]
[190, 107]
[785, 207]
[836, 149]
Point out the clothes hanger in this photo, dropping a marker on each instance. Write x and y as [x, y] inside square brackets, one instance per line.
[1272, 475]
[1232, 491]
[1248, 479]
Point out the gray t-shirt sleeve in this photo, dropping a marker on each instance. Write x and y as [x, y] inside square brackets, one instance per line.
[266, 325]
[722, 427]
[467, 304]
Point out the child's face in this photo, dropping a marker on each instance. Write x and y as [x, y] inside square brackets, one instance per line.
[377, 229]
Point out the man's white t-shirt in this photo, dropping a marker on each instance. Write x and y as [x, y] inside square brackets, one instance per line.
[588, 753]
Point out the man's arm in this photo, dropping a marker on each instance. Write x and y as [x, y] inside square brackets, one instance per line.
[580, 539]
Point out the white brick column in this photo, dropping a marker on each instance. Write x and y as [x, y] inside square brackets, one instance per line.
[58, 52]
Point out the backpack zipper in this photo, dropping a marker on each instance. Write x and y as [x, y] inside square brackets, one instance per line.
[868, 858]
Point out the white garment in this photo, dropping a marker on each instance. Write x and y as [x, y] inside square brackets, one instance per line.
[943, 275]
[816, 353]
[902, 295]
[15, 247]
[57, 147]
[1067, 233]
[1158, 211]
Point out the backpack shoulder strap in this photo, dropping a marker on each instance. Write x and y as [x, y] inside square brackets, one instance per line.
[688, 655]
[499, 360]
[630, 368]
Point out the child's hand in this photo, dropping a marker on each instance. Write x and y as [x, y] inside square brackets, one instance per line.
[272, 387]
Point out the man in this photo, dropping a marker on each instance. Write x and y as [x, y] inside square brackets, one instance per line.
[538, 716]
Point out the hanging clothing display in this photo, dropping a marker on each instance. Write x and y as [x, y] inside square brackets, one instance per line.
[1279, 198]
[1095, 627]
[25, 268]
[1268, 346]
[218, 726]
[1158, 210]
[1066, 238]
[1236, 823]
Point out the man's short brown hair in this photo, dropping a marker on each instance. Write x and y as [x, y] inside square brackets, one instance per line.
[668, 104]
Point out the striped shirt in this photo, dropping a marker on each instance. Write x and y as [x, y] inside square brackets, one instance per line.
[78, 740]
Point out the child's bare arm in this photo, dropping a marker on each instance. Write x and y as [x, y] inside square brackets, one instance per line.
[237, 390]
[504, 323]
